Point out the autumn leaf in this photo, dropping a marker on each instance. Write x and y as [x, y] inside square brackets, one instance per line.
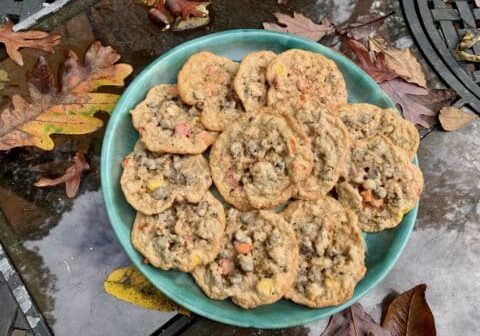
[300, 25]
[68, 109]
[400, 92]
[366, 25]
[186, 8]
[452, 118]
[129, 285]
[71, 178]
[410, 315]
[373, 63]
[353, 321]
[436, 99]
[401, 61]
[35, 39]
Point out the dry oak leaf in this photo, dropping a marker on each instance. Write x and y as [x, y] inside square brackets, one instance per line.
[68, 109]
[410, 315]
[35, 39]
[401, 61]
[300, 25]
[452, 118]
[71, 178]
[353, 321]
[129, 285]
[186, 8]
[373, 63]
[400, 92]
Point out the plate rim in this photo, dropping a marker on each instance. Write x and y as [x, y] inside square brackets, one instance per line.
[107, 193]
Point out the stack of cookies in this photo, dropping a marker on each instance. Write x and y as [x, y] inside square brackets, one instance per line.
[300, 171]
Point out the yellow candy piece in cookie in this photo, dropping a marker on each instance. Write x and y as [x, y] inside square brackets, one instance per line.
[154, 184]
[266, 287]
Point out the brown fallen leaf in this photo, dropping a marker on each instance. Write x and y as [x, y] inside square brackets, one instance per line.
[353, 321]
[373, 63]
[452, 118]
[68, 109]
[35, 39]
[71, 178]
[401, 61]
[400, 92]
[410, 315]
[129, 285]
[436, 99]
[366, 25]
[300, 25]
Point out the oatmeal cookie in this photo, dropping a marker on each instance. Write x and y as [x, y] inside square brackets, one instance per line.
[257, 263]
[380, 184]
[364, 120]
[330, 142]
[295, 72]
[183, 236]
[250, 82]
[331, 252]
[151, 182]
[206, 81]
[167, 125]
[259, 160]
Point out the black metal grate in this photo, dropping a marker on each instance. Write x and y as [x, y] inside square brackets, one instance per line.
[438, 26]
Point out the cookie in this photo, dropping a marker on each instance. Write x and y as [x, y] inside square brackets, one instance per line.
[183, 236]
[331, 252]
[152, 182]
[167, 125]
[296, 72]
[257, 263]
[380, 184]
[364, 120]
[259, 160]
[206, 81]
[330, 143]
[250, 82]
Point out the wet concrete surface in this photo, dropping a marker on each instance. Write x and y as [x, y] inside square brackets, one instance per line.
[68, 248]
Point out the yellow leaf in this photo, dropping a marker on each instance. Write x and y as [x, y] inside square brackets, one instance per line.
[452, 118]
[3, 79]
[401, 61]
[129, 285]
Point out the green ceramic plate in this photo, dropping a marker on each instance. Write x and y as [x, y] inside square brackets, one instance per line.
[383, 249]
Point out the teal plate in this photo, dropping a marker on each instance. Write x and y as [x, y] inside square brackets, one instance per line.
[383, 249]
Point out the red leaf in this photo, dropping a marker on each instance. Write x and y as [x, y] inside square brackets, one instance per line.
[71, 178]
[353, 321]
[410, 315]
[185, 8]
[371, 62]
[400, 91]
[300, 25]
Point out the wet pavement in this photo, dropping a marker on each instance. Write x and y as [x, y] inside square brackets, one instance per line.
[64, 249]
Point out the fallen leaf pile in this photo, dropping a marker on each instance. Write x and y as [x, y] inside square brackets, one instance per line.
[177, 15]
[35, 39]
[407, 315]
[129, 285]
[71, 178]
[397, 70]
[65, 109]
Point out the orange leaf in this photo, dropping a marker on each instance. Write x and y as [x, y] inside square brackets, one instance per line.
[69, 109]
[35, 39]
